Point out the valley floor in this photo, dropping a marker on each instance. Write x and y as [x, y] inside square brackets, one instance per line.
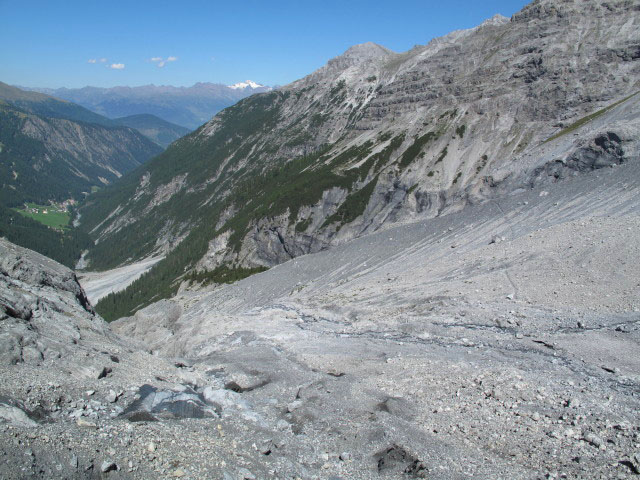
[101, 284]
[498, 342]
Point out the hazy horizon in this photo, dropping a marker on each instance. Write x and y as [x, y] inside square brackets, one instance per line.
[78, 44]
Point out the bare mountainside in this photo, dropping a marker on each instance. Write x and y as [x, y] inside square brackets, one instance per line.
[376, 137]
[496, 342]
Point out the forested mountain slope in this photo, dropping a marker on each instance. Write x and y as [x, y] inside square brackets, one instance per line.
[48, 106]
[44, 158]
[376, 137]
[154, 128]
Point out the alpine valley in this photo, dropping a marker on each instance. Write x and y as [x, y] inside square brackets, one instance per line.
[55, 151]
[401, 266]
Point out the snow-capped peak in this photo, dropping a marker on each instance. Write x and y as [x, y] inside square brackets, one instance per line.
[246, 84]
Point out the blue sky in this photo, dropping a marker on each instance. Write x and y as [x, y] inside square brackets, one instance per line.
[51, 43]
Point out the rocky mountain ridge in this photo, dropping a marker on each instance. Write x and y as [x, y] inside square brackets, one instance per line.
[375, 137]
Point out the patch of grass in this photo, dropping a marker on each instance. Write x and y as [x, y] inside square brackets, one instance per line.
[460, 130]
[457, 177]
[353, 206]
[372, 78]
[48, 215]
[223, 274]
[443, 153]
[411, 153]
[303, 225]
[584, 120]
[63, 246]
[430, 174]
[318, 119]
[483, 163]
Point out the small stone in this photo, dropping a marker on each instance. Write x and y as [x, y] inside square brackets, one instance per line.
[573, 403]
[90, 392]
[246, 474]
[291, 407]
[510, 296]
[282, 425]
[112, 397]
[108, 466]
[151, 447]
[179, 473]
[593, 439]
[74, 461]
[345, 456]
[81, 422]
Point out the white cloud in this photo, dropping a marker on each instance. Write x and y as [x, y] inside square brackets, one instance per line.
[91, 60]
[161, 62]
[103, 60]
[116, 66]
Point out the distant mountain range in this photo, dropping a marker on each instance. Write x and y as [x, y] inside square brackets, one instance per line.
[188, 107]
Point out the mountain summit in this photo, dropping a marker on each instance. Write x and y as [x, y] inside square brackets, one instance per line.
[245, 84]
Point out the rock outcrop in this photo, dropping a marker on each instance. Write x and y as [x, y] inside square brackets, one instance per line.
[44, 310]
